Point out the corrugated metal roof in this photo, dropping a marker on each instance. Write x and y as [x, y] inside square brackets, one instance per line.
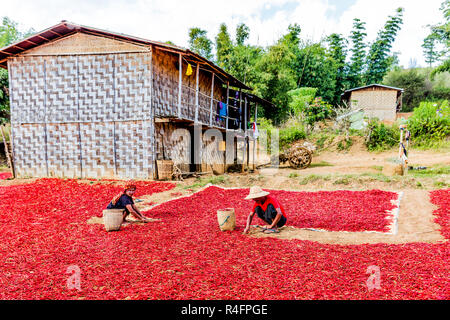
[65, 28]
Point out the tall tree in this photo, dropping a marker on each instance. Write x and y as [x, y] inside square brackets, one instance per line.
[430, 50]
[199, 42]
[278, 71]
[337, 52]
[242, 34]
[224, 47]
[441, 33]
[318, 70]
[358, 50]
[378, 62]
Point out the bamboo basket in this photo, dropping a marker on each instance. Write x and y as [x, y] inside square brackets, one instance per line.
[226, 219]
[112, 219]
[165, 169]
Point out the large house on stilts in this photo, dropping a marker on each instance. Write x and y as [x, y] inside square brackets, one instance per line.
[91, 103]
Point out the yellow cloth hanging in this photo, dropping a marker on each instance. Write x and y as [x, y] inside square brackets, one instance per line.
[189, 70]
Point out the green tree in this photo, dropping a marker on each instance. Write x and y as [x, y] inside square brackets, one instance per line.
[358, 50]
[242, 34]
[430, 50]
[224, 47]
[277, 73]
[199, 43]
[378, 62]
[337, 52]
[318, 70]
[412, 82]
[441, 34]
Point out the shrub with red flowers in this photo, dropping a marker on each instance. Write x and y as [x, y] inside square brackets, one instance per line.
[43, 233]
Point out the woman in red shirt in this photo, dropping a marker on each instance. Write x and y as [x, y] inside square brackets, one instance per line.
[267, 209]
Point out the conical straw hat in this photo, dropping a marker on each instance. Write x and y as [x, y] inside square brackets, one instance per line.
[256, 192]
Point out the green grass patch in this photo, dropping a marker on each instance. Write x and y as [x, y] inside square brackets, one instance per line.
[313, 178]
[345, 145]
[320, 164]
[441, 184]
[201, 182]
[432, 172]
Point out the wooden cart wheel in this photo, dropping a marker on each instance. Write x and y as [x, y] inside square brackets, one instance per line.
[300, 157]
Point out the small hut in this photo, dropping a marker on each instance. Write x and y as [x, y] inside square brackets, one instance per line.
[377, 101]
[90, 103]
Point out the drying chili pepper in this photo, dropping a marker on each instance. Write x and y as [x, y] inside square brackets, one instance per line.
[43, 231]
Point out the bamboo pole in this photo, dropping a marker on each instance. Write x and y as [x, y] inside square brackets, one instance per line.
[255, 139]
[245, 136]
[180, 70]
[196, 93]
[8, 156]
[228, 101]
[212, 101]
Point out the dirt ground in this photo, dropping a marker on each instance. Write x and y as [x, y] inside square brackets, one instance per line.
[355, 169]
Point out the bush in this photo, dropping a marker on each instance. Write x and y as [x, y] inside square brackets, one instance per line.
[412, 82]
[291, 131]
[430, 123]
[289, 135]
[380, 136]
[300, 98]
[318, 110]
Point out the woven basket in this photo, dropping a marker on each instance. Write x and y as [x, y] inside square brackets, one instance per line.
[226, 219]
[165, 169]
[112, 219]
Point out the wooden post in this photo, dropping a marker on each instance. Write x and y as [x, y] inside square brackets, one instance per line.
[256, 139]
[212, 101]
[245, 117]
[180, 79]
[196, 92]
[228, 101]
[240, 105]
[8, 156]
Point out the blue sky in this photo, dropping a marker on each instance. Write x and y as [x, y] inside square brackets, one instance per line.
[164, 20]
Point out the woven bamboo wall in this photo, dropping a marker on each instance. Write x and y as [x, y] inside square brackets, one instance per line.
[376, 102]
[82, 43]
[82, 115]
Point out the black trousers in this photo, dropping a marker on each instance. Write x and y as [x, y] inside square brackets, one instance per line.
[269, 215]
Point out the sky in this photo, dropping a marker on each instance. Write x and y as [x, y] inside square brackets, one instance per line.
[163, 20]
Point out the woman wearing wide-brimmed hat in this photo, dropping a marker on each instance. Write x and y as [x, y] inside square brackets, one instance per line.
[124, 200]
[267, 208]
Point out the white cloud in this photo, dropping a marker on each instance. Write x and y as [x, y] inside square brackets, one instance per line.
[170, 20]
